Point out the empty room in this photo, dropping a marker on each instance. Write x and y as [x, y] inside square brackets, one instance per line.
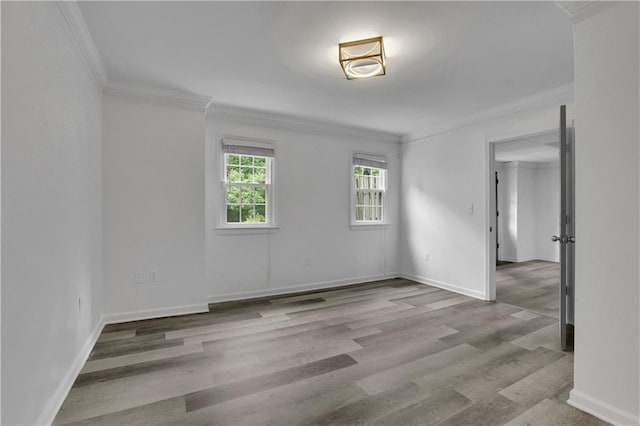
[284, 213]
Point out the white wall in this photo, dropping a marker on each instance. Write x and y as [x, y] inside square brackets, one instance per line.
[153, 172]
[547, 211]
[52, 210]
[529, 205]
[312, 178]
[526, 211]
[442, 175]
[606, 371]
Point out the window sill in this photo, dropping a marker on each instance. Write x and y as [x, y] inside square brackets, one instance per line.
[246, 230]
[368, 226]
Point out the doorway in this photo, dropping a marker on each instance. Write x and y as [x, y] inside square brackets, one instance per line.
[525, 197]
[527, 173]
[531, 189]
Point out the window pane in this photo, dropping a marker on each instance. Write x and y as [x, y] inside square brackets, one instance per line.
[233, 159]
[260, 175]
[261, 195]
[246, 175]
[259, 161]
[246, 214]
[359, 213]
[233, 214]
[233, 195]
[261, 213]
[233, 174]
[247, 195]
[246, 160]
[379, 213]
[375, 199]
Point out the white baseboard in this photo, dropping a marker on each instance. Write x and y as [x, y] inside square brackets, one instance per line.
[600, 409]
[548, 259]
[445, 286]
[51, 410]
[216, 298]
[527, 259]
[155, 313]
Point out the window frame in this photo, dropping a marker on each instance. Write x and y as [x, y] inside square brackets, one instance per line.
[381, 161]
[269, 185]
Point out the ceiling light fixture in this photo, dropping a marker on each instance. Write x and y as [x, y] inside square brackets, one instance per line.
[362, 58]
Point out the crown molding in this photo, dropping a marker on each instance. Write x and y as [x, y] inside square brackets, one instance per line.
[289, 122]
[80, 32]
[550, 97]
[161, 96]
[581, 10]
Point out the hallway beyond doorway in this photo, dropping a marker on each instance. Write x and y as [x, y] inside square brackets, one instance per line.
[531, 285]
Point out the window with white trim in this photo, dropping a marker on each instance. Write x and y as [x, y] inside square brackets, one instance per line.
[369, 186]
[247, 185]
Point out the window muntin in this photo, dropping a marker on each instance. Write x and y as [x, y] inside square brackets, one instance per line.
[369, 193]
[247, 188]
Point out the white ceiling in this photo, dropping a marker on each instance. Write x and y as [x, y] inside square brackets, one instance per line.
[446, 60]
[542, 148]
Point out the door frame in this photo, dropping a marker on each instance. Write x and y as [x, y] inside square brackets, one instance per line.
[491, 196]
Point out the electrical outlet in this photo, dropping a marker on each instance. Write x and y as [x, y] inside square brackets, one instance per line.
[426, 257]
[79, 304]
[307, 260]
[138, 277]
[153, 276]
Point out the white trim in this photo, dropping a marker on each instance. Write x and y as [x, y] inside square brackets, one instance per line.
[548, 259]
[445, 286]
[600, 409]
[491, 227]
[526, 259]
[216, 298]
[292, 123]
[246, 230]
[157, 95]
[555, 96]
[581, 10]
[368, 226]
[51, 410]
[155, 313]
[80, 32]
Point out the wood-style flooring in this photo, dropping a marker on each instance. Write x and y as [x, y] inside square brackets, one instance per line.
[387, 353]
[533, 285]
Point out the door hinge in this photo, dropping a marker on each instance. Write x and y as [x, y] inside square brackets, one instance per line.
[566, 290]
[497, 213]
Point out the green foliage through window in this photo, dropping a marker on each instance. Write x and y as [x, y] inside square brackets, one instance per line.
[246, 186]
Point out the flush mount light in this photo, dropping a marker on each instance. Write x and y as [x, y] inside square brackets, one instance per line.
[362, 58]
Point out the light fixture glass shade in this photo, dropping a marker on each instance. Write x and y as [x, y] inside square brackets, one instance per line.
[362, 58]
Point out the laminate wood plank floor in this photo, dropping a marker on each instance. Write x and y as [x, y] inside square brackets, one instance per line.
[391, 352]
[532, 285]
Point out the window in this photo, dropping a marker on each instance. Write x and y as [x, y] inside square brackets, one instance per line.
[369, 187]
[247, 184]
